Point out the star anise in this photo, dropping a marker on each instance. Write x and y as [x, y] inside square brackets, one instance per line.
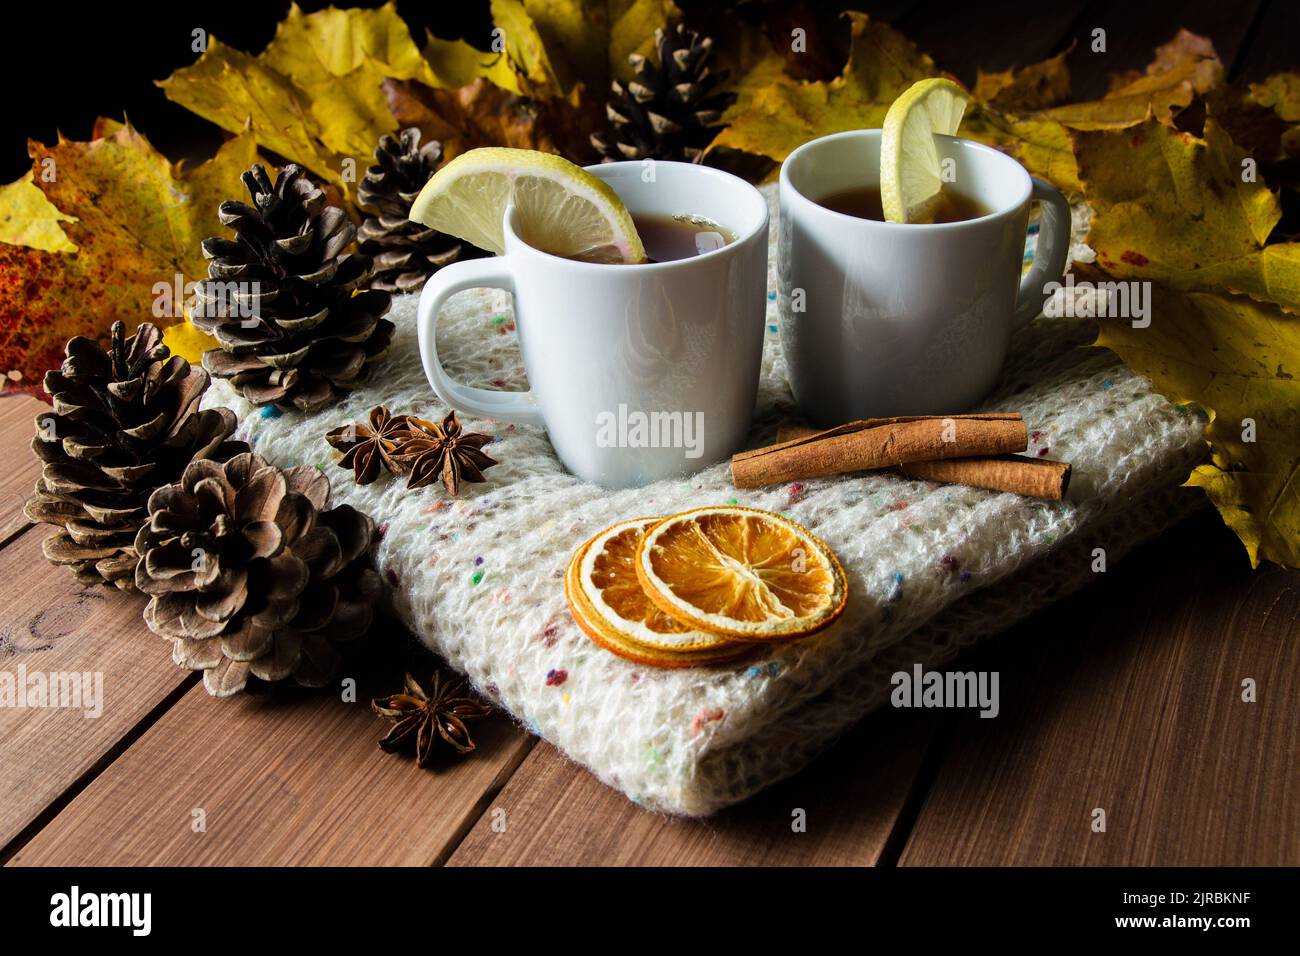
[429, 720]
[367, 448]
[443, 450]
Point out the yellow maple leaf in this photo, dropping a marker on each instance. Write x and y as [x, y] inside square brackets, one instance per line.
[1014, 111]
[1182, 69]
[136, 221]
[314, 94]
[557, 45]
[526, 50]
[1038, 86]
[27, 218]
[455, 63]
[188, 342]
[1280, 93]
[1008, 113]
[1042, 145]
[1184, 210]
[773, 114]
[1240, 361]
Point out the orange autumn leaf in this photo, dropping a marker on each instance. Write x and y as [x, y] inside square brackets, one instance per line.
[42, 296]
[481, 114]
[139, 220]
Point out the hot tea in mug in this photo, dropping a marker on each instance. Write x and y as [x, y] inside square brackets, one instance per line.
[864, 202]
[903, 318]
[668, 238]
[671, 341]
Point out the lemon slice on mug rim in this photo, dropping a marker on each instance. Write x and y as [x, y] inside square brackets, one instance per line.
[911, 176]
[560, 208]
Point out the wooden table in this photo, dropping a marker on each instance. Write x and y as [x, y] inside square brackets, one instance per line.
[1125, 697]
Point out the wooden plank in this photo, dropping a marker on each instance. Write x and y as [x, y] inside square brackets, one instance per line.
[1274, 45]
[1128, 698]
[47, 756]
[556, 813]
[989, 36]
[19, 468]
[1134, 30]
[281, 778]
[49, 625]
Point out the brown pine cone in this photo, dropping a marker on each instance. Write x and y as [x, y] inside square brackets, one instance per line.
[404, 253]
[279, 297]
[251, 575]
[125, 422]
[672, 107]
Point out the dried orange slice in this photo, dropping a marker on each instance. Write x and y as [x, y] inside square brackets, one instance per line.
[608, 604]
[742, 573]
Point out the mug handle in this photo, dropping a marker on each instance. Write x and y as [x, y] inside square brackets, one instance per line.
[1049, 264]
[518, 407]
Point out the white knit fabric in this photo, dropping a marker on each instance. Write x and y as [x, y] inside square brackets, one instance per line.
[930, 567]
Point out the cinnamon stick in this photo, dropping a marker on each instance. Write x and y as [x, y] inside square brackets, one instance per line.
[1035, 477]
[880, 443]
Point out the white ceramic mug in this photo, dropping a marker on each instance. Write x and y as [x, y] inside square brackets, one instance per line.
[881, 319]
[637, 372]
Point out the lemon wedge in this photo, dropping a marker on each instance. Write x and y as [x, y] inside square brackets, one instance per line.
[562, 208]
[910, 174]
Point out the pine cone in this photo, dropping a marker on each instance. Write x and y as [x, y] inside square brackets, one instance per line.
[250, 575]
[278, 297]
[671, 110]
[124, 422]
[405, 253]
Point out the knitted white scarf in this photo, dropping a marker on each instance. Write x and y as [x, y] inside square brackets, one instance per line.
[930, 567]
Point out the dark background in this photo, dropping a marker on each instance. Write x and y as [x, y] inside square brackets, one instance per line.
[106, 56]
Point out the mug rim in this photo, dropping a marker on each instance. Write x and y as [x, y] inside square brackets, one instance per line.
[513, 240]
[789, 188]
